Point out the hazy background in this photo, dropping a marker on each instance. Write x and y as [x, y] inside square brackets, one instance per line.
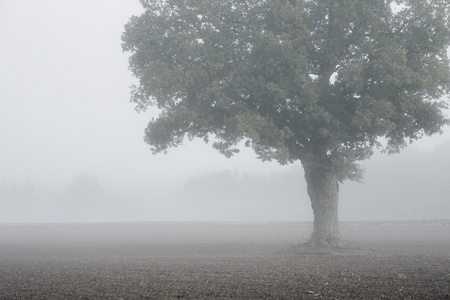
[71, 147]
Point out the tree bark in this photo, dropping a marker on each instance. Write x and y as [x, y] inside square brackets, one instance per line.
[323, 190]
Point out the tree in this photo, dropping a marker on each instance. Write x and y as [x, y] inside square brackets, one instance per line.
[316, 81]
[85, 186]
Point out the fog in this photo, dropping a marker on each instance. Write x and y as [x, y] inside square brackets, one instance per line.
[72, 145]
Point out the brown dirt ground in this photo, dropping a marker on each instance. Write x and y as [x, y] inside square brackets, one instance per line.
[397, 260]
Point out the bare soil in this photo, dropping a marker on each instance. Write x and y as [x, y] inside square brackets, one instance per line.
[396, 260]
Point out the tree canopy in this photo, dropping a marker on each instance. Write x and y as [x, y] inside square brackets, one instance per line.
[320, 81]
[291, 78]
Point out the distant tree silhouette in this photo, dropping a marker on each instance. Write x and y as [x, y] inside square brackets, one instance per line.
[85, 186]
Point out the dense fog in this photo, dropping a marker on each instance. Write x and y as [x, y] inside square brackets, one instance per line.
[72, 148]
[411, 186]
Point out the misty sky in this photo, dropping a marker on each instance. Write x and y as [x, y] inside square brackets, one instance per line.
[64, 109]
[64, 92]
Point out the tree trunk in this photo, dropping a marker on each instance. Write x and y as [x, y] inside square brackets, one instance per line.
[323, 190]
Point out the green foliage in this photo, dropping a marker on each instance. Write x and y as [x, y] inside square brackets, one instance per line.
[316, 81]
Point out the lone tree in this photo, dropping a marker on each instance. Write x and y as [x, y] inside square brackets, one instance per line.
[319, 81]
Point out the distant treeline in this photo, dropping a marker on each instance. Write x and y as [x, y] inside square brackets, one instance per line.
[412, 185]
[231, 184]
[10, 190]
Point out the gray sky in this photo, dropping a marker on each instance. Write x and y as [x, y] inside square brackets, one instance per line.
[64, 109]
[64, 88]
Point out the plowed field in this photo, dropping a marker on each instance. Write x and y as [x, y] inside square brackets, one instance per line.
[397, 260]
